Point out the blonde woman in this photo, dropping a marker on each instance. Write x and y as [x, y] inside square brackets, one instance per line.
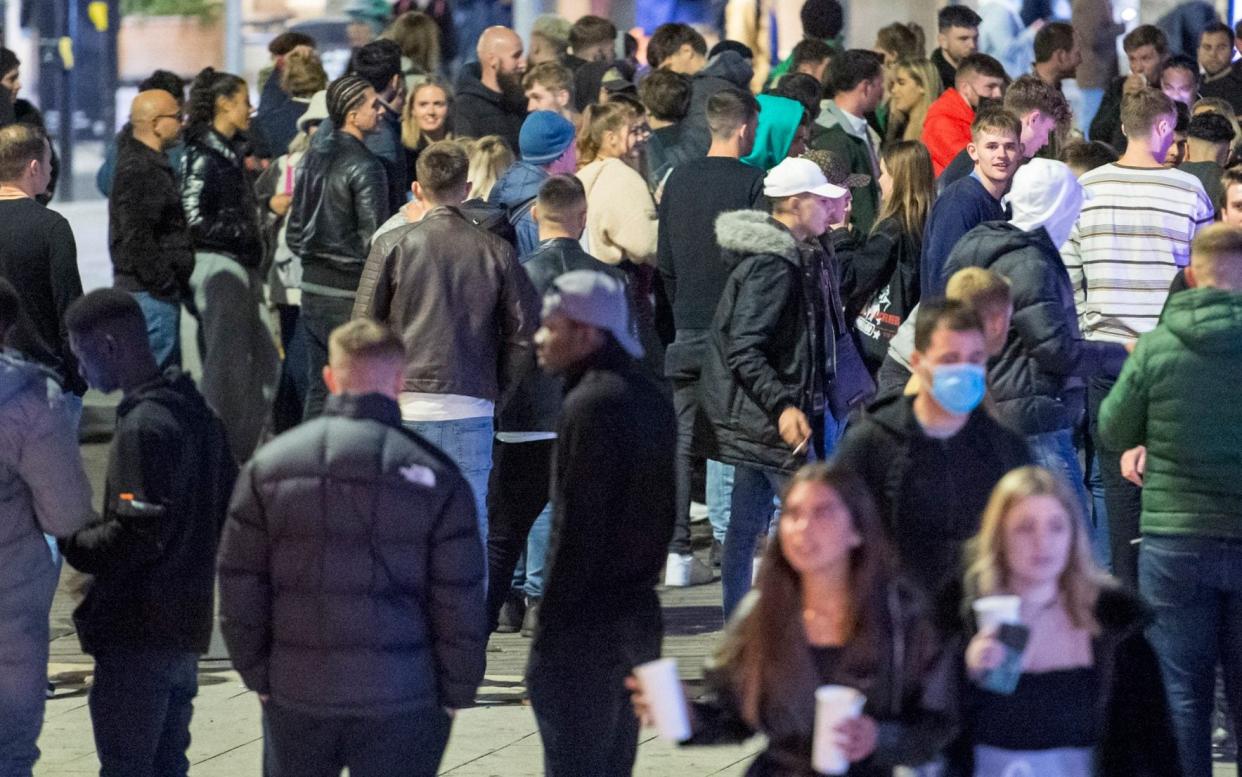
[1089, 699]
[418, 35]
[425, 119]
[916, 85]
[489, 157]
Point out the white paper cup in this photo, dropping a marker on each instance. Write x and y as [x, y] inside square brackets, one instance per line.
[992, 611]
[834, 704]
[666, 698]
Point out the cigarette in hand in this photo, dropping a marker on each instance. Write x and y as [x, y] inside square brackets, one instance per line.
[802, 446]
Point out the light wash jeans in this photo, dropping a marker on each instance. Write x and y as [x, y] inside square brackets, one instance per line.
[719, 497]
[468, 442]
[163, 328]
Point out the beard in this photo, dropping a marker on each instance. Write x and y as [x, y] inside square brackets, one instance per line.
[511, 88]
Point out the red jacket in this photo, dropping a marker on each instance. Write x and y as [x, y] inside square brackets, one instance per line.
[946, 130]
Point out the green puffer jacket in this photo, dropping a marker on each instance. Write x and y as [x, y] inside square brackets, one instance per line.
[1178, 394]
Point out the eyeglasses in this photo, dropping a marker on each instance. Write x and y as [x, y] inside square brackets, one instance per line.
[177, 116]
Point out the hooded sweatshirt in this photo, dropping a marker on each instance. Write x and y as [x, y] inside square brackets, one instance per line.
[779, 118]
[1178, 395]
[478, 111]
[726, 69]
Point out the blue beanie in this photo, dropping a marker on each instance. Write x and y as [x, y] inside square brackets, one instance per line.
[544, 137]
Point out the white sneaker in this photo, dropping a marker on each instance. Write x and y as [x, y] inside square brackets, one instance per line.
[682, 570]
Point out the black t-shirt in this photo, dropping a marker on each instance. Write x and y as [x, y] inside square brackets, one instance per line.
[39, 257]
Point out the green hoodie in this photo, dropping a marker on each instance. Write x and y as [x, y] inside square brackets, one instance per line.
[1178, 394]
[779, 118]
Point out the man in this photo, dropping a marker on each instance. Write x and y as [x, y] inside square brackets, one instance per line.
[1210, 137]
[489, 99]
[1147, 49]
[518, 491]
[666, 96]
[856, 79]
[931, 460]
[946, 130]
[379, 64]
[1057, 54]
[678, 47]
[147, 614]
[813, 57]
[340, 199]
[1093, 19]
[995, 148]
[956, 39]
[1215, 60]
[1177, 396]
[369, 683]
[38, 254]
[612, 513]
[1132, 235]
[765, 375]
[727, 70]
[443, 280]
[1038, 105]
[694, 273]
[1038, 382]
[550, 87]
[152, 256]
[591, 39]
[547, 146]
[175, 86]
[1179, 80]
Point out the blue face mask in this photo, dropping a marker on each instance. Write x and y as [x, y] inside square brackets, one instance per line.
[959, 388]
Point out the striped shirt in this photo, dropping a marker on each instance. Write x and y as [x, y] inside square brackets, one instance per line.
[1132, 235]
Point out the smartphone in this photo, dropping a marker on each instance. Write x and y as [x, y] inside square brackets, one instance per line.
[1004, 678]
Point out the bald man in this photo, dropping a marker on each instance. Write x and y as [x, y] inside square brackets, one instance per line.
[152, 257]
[490, 99]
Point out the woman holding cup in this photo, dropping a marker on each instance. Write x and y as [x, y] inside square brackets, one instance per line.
[1062, 682]
[827, 631]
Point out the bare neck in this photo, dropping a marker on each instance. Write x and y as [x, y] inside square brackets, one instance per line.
[1139, 154]
[724, 148]
[1047, 73]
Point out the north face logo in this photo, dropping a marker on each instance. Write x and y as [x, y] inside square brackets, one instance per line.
[418, 475]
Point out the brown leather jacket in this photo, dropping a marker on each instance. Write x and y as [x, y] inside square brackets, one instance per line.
[460, 302]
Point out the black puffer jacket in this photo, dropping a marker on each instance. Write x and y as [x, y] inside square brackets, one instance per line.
[478, 111]
[339, 200]
[766, 348]
[1037, 381]
[218, 198]
[351, 570]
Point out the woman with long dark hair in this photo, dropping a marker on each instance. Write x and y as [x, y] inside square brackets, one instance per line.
[827, 608]
[240, 363]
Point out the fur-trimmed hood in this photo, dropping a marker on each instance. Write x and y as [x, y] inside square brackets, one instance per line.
[746, 233]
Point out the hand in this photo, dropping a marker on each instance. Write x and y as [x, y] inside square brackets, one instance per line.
[857, 737]
[984, 653]
[1134, 83]
[264, 698]
[1134, 464]
[794, 428]
[638, 701]
[1130, 345]
[279, 203]
[452, 713]
[1038, 25]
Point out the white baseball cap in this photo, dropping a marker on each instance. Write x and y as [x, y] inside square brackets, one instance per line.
[593, 298]
[797, 176]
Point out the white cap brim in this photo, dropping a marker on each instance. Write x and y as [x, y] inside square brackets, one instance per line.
[828, 190]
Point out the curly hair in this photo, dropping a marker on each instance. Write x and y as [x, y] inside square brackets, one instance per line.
[208, 87]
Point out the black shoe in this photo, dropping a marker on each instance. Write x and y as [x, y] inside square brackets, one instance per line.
[512, 613]
[715, 555]
[531, 621]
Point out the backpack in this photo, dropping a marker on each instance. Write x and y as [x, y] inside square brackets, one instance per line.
[497, 219]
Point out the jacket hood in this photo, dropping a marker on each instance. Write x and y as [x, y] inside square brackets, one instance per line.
[730, 66]
[1206, 320]
[173, 390]
[893, 413]
[779, 118]
[991, 240]
[745, 233]
[1045, 193]
[517, 184]
[18, 375]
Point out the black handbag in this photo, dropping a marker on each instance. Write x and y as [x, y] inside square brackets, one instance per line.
[851, 383]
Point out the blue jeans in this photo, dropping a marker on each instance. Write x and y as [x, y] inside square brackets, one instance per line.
[468, 442]
[140, 704]
[1055, 451]
[1194, 586]
[23, 680]
[537, 552]
[1099, 514]
[750, 515]
[1091, 99]
[163, 328]
[719, 497]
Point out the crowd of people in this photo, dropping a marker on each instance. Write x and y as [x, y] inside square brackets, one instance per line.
[471, 352]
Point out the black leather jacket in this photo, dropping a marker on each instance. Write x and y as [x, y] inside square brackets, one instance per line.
[340, 199]
[219, 203]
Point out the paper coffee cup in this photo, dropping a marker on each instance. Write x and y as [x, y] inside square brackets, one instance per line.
[666, 698]
[992, 611]
[834, 704]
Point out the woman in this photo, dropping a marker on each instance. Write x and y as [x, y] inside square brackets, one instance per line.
[1089, 699]
[425, 120]
[916, 85]
[826, 609]
[418, 35]
[489, 157]
[898, 41]
[239, 361]
[880, 274]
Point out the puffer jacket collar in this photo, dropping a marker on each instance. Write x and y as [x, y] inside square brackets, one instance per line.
[745, 233]
[372, 407]
[216, 143]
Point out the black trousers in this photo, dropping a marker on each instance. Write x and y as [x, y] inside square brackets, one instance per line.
[683, 365]
[320, 315]
[518, 488]
[1123, 499]
[408, 744]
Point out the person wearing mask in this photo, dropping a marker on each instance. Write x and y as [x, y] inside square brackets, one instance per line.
[1209, 139]
[957, 38]
[1058, 53]
[915, 86]
[1122, 255]
[275, 122]
[240, 363]
[1003, 34]
[1219, 78]
[1147, 49]
[932, 459]
[764, 386]
[443, 280]
[612, 515]
[694, 272]
[947, 127]
[996, 148]
[1038, 381]
[856, 78]
[426, 119]
[547, 146]
[490, 100]
[828, 608]
[175, 86]
[340, 199]
[148, 239]
[411, 643]
[1089, 697]
[45, 492]
[147, 613]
